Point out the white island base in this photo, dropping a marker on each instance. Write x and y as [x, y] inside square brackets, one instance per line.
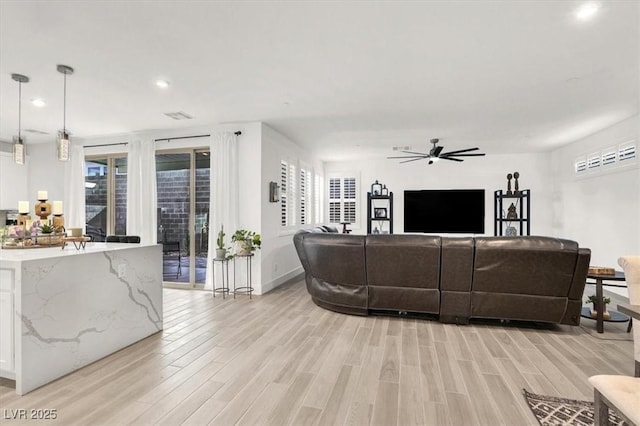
[63, 309]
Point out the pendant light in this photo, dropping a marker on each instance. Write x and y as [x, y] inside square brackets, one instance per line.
[63, 140]
[18, 141]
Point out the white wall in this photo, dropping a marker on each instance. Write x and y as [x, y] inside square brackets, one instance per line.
[602, 209]
[279, 259]
[488, 173]
[45, 171]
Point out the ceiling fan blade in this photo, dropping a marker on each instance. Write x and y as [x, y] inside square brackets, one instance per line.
[416, 153]
[409, 156]
[414, 159]
[464, 155]
[461, 151]
[437, 150]
[451, 158]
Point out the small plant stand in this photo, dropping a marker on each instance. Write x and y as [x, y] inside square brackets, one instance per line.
[247, 287]
[224, 270]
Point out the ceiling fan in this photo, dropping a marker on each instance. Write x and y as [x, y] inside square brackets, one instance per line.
[436, 153]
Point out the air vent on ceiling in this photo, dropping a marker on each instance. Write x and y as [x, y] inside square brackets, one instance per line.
[401, 148]
[178, 115]
[34, 131]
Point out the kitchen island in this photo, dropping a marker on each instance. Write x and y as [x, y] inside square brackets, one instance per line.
[62, 309]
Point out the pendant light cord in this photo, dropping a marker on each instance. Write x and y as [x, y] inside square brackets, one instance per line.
[64, 107]
[19, 111]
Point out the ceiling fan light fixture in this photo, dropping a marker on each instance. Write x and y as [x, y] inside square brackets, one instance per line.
[18, 141]
[163, 84]
[63, 141]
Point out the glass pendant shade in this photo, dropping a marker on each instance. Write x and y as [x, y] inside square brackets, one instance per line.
[18, 150]
[63, 140]
[62, 146]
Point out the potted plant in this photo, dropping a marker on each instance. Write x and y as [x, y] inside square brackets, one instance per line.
[594, 300]
[47, 235]
[245, 242]
[221, 250]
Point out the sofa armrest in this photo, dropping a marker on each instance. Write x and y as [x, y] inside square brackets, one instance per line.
[580, 274]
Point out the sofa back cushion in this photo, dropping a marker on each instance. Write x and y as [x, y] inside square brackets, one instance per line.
[403, 272]
[403, 261]
[336, 258]
[524, 265]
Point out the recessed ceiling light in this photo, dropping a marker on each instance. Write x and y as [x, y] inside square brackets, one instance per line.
[162, 83]
[38, 102]
[587, 11]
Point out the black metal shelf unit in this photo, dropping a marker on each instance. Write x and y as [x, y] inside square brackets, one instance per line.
[380, 214]
[512, 226]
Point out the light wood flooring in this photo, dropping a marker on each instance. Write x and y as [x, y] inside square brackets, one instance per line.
[278, 359]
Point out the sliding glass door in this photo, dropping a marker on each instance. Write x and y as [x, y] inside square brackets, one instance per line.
[183, 214]
[105, 196]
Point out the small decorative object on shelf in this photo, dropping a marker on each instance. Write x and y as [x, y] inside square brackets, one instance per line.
[511, 231]
[380, 212]
[512, 212]
[594, 310]
[376, 188]
[601, 270]
[509, 176]
[516, 188]
[385, 191]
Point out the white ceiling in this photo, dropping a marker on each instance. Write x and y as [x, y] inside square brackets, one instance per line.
[343, 79]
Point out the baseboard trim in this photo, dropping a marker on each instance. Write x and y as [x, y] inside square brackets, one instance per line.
[292, 275]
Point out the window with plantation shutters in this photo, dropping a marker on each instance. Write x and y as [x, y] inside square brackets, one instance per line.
[593, 161]
[608, 156]
[608, 160]
[342, 199]
[581, 165]
[305, 196]
[627, 151]
[287, 194]
[317, 199]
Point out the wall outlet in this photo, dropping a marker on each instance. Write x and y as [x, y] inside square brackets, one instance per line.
[122, 270]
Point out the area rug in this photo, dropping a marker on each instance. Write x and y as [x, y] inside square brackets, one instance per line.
[612, 330]
[553, 411]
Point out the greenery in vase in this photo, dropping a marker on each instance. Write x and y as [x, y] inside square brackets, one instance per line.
[593, 299]
[252, 239]
[46, 229]
[220, 239]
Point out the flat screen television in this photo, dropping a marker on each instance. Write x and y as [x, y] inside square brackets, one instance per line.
[455, 211]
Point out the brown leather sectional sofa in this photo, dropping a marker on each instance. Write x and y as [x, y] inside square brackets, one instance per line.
[516, 278]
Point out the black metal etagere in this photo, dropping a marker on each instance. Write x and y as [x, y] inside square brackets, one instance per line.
[522, 223]
[380, 214]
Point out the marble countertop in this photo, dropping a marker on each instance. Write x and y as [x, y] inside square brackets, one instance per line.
[19, 255]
